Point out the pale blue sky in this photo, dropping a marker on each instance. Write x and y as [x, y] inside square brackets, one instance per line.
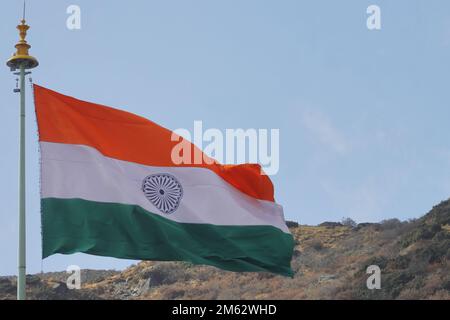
[363, 115]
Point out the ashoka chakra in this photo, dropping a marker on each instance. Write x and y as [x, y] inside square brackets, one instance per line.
[163, 191]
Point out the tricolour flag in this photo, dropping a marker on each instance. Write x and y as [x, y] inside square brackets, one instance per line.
[109, 187]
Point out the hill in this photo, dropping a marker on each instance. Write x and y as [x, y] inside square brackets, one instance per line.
[330, 262]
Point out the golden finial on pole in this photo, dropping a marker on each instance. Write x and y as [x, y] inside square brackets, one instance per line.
[21, 56]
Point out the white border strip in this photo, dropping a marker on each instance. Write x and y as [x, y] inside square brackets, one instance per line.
[77, 171]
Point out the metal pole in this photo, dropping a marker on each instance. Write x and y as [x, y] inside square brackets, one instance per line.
[22, 60]
[22, 238]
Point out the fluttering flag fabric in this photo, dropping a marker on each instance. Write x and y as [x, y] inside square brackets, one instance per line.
[109, 187]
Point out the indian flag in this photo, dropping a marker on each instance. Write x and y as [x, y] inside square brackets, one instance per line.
[109, 187]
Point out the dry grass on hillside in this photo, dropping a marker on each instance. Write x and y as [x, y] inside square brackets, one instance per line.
[329, 263]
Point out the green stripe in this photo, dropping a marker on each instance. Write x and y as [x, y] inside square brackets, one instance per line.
[130, 232]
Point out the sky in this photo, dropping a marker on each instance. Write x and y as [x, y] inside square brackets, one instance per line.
[363, 114]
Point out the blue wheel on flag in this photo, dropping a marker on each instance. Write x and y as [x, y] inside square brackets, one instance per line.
[164, 191]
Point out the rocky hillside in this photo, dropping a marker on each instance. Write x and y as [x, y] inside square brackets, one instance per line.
[330, 261]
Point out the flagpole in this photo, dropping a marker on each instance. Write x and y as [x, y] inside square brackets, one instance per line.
[22, 225]
[22, 60]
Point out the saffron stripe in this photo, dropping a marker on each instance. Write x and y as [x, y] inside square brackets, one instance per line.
[125, 136]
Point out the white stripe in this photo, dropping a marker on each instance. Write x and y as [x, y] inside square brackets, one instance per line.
[76, 171]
